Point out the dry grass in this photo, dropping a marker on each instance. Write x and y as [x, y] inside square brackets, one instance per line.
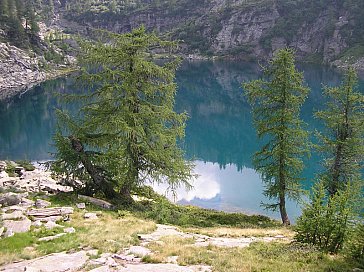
[241, 232]
[274, 257]
[110, 234]
[107, 234]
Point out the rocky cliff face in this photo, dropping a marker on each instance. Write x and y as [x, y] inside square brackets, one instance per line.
[320, 31]
[20, 70]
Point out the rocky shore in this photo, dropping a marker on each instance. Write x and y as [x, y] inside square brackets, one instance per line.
[21, 70]
[26, 208]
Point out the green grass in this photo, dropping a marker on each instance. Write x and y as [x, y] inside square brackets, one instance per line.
[109, 233]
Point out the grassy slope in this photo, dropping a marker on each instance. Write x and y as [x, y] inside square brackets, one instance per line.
[116, 230]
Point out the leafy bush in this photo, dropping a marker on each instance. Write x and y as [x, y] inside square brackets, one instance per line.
[355, 244]
[27, 165]
[10, 169]
[327, 221]
[164, 212]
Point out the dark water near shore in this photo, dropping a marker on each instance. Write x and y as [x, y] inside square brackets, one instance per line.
[220, 136]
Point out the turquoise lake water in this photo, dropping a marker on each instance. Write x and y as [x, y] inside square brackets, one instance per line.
[220, 136]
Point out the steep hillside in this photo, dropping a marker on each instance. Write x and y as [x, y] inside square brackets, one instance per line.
[320, 30]
[32, 48]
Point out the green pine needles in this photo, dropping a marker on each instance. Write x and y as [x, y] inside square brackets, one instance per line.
[342, 143]
[127, 130]
[337, 199]
[276, 103]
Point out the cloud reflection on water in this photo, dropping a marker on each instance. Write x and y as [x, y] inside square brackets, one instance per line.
[226, 189]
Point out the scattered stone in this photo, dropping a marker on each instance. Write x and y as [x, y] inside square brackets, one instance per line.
[51, 225]
[111, 262]
[18, 226]
[2, 165]
[172, 259]
[98, 202]
[12, 216]
[69, 230]
[1, 231]
[51, 263]
[128, 258]
[81, 206]
[10, 199]
[139, 251]
[19, 170]
[93, 252]
[279, 237]
[40, 203]
[90, 216]
[14, 208]
[8, 233]
[50, 238]
[3, 175]
[37, 224]
[26, 203]
[163, 268]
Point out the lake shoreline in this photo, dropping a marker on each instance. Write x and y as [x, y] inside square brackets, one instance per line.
[22, 70]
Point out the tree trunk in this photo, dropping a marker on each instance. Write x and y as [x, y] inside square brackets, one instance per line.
[282, 209]
[95, 173]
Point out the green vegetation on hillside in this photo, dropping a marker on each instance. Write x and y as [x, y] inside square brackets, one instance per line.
[19, 23]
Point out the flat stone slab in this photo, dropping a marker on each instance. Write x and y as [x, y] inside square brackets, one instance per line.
[203, 240]
[58, 262]
[50, 238]
[162, 268]
[162, 231]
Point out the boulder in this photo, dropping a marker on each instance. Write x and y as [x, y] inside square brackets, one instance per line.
[37, 224]
[10, 199]
[69, 230]
[98, 202]
[40, 203]
[3, 175]
[8, 233]
[26, 202]
[81, 205]
[90, 216]
[139, 251]
[2, 165]
[12, 216]
[18, 226]
[51, 225]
